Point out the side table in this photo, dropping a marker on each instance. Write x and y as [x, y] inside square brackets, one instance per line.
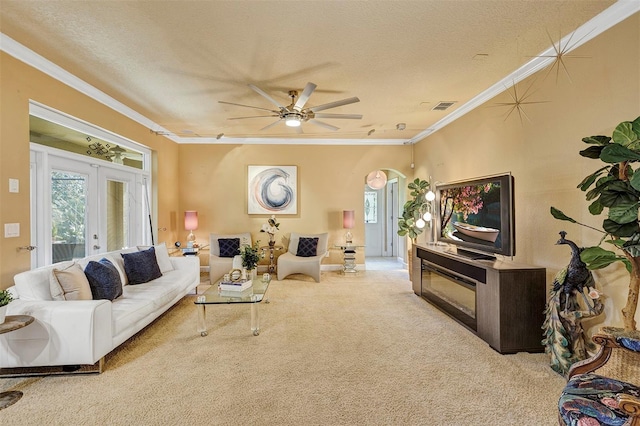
[349, 257]
[271, 250]
[181, 250]
[13, 323]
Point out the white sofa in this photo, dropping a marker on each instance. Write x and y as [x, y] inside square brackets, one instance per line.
[82, 332]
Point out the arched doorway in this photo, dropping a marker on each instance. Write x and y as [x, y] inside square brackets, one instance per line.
[384, 249]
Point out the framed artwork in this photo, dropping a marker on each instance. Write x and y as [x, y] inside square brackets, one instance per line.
[273, 190]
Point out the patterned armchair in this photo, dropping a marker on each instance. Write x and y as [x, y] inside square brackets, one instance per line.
[304, 255]
[603, 389]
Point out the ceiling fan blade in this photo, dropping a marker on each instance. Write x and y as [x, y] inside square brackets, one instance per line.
[253, 116]
[266, 96]
[304, 97]
[350, 116]
[323, 124]
[334, 104]
[247, 106]
[271, 125]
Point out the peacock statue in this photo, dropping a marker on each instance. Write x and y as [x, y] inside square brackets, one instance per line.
[563, 334]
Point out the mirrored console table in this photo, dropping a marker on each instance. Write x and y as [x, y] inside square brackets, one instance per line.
[349, 257]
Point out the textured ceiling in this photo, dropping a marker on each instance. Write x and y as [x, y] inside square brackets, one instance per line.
[172, 61]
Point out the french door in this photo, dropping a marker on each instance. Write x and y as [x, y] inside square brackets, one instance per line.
[82, 208]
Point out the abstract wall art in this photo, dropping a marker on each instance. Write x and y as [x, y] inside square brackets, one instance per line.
[273, 190]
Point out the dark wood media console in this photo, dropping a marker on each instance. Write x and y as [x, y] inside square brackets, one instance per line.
[501, 302]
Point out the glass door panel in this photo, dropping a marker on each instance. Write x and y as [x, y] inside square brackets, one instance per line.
[117, 215]
[68, 215]
[81, 209]
[119, 209]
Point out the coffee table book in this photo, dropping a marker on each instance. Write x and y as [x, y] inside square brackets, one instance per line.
[235, 285]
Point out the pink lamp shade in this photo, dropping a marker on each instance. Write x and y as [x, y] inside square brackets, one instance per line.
[348, 222]
[191, 223]
[348, 219]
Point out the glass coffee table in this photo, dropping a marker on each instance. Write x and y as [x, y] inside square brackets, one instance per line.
[214, 296]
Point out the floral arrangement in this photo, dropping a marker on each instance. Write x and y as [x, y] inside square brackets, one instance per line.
[271, 227]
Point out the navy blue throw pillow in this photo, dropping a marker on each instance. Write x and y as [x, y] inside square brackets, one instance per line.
[104, 279]
[229, 247]
[141, 266]
[307, 247]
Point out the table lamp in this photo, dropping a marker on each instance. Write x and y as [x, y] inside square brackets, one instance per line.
[191, 223]
[348, 222]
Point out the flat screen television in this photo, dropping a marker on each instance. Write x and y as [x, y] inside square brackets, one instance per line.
[477, 215]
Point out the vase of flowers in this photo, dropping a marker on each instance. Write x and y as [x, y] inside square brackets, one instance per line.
[270, 228]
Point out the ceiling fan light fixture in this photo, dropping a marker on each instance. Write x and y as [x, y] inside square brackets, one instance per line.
[292, 121]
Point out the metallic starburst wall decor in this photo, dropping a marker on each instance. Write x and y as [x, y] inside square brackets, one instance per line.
[562, 53]
[519, 100]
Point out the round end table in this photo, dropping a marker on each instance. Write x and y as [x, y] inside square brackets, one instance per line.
[13, 323]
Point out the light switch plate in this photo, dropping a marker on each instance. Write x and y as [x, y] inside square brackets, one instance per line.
[11, 230]
[14, 185]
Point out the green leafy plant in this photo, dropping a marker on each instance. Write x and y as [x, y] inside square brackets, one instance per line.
[250, 255]
[615, 187]
[5, 297]
[414, 209]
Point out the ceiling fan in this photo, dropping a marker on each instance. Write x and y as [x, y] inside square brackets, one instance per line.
[117, 155]
[295, 113]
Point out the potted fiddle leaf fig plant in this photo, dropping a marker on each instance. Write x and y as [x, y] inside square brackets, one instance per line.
[615, 189]
[412, 223]
[5, 298]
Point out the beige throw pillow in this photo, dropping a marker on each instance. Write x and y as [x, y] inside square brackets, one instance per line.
[70, 283]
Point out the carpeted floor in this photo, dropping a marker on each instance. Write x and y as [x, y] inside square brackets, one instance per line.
[354, 350]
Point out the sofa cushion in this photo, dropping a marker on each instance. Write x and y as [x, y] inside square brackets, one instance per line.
[35, 284]
[114, 257]
[229, 247]
[141, 266]
[104, 279]
[307, 247]
[69, 283]
[162, 256]
[214, 247]
[591, 399]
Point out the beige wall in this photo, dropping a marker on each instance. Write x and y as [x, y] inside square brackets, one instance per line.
[213, 181]
[20, 83]
[207, 178]
[542, 154]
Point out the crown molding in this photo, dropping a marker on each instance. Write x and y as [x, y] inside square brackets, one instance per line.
[31, 58]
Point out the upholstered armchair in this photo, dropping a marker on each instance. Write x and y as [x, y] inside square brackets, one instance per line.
[604, 389]
[303, 256]
[222, 251]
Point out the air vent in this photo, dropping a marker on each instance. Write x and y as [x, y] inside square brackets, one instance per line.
[441, 106]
